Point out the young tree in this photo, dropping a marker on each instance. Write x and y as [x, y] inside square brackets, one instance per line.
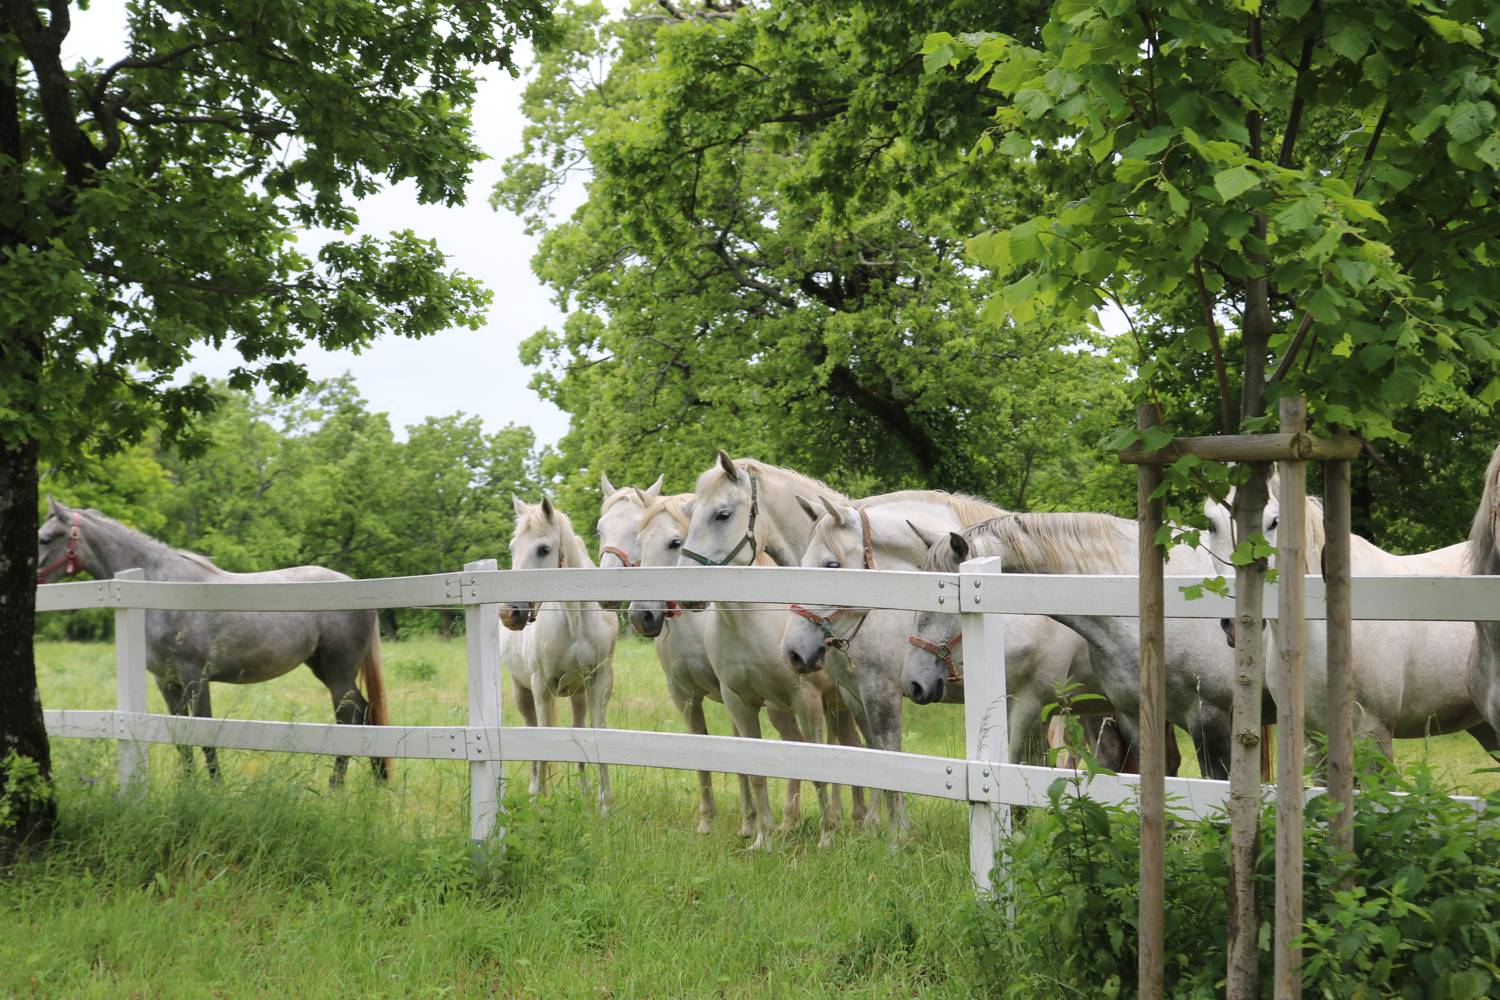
[1288, 197]
[150, 203]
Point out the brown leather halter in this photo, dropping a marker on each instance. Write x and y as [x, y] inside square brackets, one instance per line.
[825, 622]
[69, 559]
[943, 651]
[620, 554]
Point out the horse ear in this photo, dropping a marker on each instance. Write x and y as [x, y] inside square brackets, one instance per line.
[56, 508]
[687, 508]
[654, 490]
[807, 506]
[727, 464]
[960, 547]
[928, 541]
[605, 485]
[547, 509]
[833, 512]
[517, 504]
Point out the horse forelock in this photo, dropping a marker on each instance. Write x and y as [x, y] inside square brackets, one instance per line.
[574, 552]
[1483, 559]
[616, 498]
[671, 506]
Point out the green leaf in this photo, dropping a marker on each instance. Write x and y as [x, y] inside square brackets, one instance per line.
[1300, 215]
[1350, 41]
[1469, 120]
[1491, 392]
[1454, 31]
[1234, 182]
[1015, 145]
[1175, 198]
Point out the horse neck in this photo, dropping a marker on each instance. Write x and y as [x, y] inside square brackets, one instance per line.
[108, 547]
[575, 555]
[787, 527]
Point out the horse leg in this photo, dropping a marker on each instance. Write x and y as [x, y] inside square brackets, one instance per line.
[197, 695]
[580, 719]
[810, 714]
[527, 705]
[841, 725]
[175, 695]
[1487, 737]
[885, 720]
[747, 796]
[598, 690]
[692, 714]
[747, 723]
[547, 709]
[786, 724]
[349, 709]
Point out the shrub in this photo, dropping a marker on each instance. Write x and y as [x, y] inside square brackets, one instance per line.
[1421, 917]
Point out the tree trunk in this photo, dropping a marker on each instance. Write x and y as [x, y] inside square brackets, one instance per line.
[22, 730]
[1245, 747]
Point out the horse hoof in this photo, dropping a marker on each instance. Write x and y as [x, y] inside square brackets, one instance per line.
[705, 825]
[762, 842]
[826, 840]
[747, 830]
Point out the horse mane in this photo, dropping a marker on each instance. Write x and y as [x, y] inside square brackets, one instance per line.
[672, 506]
[615, 499]
[190, 556]
[967, 508]
[1046, 543]
[1317, 534]
[1483, 558]
[574, 553]
[804, 484]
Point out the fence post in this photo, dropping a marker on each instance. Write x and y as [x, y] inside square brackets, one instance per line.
[1151, 957]
[1291, 562]
[130, 685]
[487, 776]
[986, 717]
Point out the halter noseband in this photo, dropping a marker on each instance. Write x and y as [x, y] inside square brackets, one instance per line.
[749, 538]
[825, 622]
[943, 651]
[620, 554]
[69, 559]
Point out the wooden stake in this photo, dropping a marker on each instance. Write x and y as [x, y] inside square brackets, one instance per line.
[1152, 920]
[130, 684]
[486, 773]
[1336, 572]
[1291, 563]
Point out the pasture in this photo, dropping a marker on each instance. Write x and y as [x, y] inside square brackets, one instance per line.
[274, 886]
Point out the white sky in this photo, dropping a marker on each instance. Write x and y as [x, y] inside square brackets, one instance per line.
[477, 372]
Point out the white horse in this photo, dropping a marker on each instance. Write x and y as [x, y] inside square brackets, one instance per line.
[1199, 666]
[619, 512]
[1410, 678]
[557, 650]
[1484, 560]
[655, 537]
[888, 533]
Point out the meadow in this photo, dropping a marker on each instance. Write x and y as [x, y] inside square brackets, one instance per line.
[266, 883]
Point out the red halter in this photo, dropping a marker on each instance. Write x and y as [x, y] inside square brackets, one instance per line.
[944, 652]
[620, 554]
[69, 559]
[825, 622]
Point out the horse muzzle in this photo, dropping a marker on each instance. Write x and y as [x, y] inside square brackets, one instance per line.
[517, 616]
[925, 694]
[648, 622]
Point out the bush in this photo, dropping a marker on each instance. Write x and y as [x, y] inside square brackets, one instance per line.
[1422, 918]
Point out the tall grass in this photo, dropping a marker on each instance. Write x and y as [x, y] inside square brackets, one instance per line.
[267, 884]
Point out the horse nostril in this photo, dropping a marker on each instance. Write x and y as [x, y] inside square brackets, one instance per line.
[795, 657]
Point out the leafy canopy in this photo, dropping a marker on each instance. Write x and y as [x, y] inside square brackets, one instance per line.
[1312, 182]
[152, 203]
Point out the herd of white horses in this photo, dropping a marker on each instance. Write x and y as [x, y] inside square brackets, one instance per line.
[824, 672]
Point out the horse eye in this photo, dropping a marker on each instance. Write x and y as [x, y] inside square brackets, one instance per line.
[832, 564]
[542, 550]
[1275, 521]
[722, 515]
[675, 543]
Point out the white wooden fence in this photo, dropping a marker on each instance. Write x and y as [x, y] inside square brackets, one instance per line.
[979, 592]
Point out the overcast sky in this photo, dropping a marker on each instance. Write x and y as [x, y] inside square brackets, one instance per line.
[473, 371]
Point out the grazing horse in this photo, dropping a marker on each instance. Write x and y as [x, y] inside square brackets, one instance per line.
[186, 650]
[1410, 678]
[680, 648]
[557, 650]
[1199, 667]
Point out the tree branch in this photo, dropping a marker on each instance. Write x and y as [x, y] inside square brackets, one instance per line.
[1299, 98]
[1221, 372]
[42, 45]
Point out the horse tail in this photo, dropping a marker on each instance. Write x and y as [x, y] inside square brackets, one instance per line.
[372, 679]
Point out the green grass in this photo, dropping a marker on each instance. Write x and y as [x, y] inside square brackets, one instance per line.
[270, 885]
[267, 884]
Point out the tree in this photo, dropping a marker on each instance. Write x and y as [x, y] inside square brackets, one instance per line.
[151, 203]
[769, 258]
[1295, 197]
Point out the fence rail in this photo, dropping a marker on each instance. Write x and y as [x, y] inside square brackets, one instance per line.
[979, 592]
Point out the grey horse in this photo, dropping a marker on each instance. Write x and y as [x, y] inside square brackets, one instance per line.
[185, 650]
